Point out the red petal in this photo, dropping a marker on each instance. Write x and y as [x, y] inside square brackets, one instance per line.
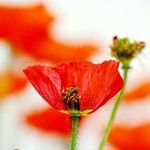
[131, 138]
[96, 83]
[50, 121]
[71, 73]
[47, 82]
[114, 87]
[100, 85]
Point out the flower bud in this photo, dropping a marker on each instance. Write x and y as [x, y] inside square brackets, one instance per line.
[124, 50]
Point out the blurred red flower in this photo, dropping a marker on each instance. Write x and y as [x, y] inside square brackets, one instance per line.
[50, 121]
[11, 83]
[28, 29]
[139, 93]
[55, 51]
[76, 87]
[24, 27]
[131, 138]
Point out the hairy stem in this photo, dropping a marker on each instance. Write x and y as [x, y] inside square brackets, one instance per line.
[75, 120]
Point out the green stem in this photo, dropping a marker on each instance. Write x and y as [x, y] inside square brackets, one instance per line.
[114, 110]
[75, 120]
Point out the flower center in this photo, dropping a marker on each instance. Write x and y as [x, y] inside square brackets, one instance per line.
[71, 98]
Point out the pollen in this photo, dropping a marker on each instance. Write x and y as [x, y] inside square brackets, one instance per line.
[71, 98]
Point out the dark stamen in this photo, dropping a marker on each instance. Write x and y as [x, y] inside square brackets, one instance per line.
[71, 98]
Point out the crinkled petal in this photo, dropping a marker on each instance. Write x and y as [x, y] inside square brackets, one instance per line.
[95, 83]
[71, 73]
[99, 84]
[115, 87]
[48, 84]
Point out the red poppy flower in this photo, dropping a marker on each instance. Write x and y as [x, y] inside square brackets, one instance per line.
[139, 93]
[131, 138]
[50, 121]
[76, 87]
[28, 30]
[11, 83]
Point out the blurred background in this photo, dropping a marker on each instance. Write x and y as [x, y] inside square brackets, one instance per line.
[53, 31]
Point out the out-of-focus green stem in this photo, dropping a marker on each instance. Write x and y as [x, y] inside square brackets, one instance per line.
[114, 110]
